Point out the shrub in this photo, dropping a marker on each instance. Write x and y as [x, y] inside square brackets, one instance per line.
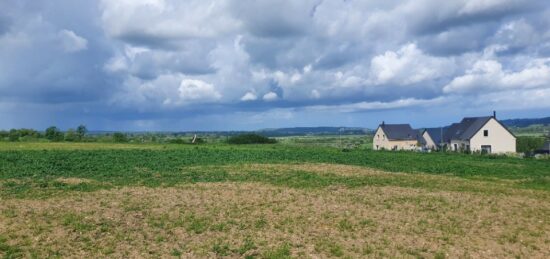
[529, 144]
[53, 134]
[120, 137]
[250, 138]
[71, 135]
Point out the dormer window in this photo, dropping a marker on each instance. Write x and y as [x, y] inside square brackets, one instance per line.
[486, 133]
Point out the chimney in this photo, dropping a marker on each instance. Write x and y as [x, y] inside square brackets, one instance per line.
[383, 123]
[495, 115]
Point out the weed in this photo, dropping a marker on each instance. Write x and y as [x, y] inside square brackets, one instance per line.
[281, 252]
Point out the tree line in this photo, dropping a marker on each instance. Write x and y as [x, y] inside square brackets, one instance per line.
[81, 134]
[51, 133]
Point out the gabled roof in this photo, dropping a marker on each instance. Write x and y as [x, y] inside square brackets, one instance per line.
[399, 131]
[466, 129]
[420, 138]
[436, 134]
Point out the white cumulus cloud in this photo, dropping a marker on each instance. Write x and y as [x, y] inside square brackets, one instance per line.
[250, 96]
[408, 65]
[271, 96]
[197, 90]
[490, 75]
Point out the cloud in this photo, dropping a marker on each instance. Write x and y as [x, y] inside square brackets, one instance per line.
[249, 96]
[275, 19]
[269, 97]
[72, 42]
[487, 75]
[165, 91]
[5, 24]
[148, 63]
[165, 23]
[374, 106]
[408, 65]
[197, 90]
[428, 20]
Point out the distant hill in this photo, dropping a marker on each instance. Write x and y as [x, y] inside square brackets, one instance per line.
[302, 131]
[522, 123]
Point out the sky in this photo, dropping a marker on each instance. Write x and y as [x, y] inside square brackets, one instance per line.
[171, 65]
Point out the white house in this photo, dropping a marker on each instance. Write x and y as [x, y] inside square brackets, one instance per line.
[395, 137]
[476, 134]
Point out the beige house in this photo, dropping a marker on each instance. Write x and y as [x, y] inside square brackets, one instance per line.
[475, 134]
[395, 137]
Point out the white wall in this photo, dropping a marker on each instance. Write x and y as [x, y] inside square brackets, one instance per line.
[460, 145]
[429, 141]
[380, 141]
[499, 138]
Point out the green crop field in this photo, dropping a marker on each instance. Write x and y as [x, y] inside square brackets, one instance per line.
[286, 200]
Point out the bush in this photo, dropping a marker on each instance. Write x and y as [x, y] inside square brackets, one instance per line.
[250, 138]
[71, 135]
[529, 144]
[120, 137]
[53, 134]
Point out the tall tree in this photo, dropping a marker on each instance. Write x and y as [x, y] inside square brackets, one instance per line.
[81, 131]
[53, 133]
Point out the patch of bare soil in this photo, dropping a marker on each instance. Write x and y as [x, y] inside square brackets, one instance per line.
[73, 181]
[249, 219]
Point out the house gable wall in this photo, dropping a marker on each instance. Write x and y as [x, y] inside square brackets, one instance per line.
[430, 144]
[380, 140]
[500, 139]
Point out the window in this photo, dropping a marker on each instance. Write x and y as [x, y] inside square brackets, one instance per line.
[377, 146]
[378, 136]
[456, 147]
[486, 133]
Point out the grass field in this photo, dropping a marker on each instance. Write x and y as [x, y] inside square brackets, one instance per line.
[270, 201]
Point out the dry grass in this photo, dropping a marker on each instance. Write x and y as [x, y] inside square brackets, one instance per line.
[73, 181]
[259, 220]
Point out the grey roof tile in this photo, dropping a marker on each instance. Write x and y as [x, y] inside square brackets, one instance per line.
[399, 131]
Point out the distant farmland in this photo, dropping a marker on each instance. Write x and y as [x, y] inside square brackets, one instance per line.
[268, 201]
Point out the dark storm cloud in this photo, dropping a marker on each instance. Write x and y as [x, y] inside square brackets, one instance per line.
[5, 24]
[49, 59]
[159, 64]
[275, 19]
[446, 15]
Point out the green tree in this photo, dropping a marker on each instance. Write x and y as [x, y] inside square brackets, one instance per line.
[71, 135]
[81, 131]
[53, 134]
[13, 135]
[119, 137]
[529, 144]
[4, 134]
